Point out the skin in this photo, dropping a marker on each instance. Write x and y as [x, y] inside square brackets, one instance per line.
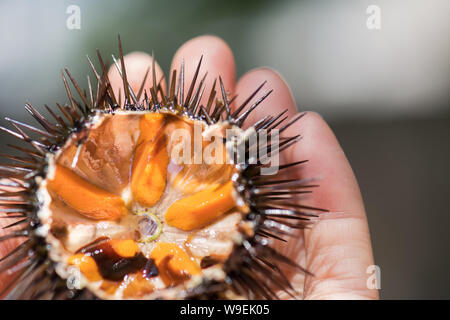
[337, 249]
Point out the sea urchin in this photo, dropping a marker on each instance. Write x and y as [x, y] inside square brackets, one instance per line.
[113, 201]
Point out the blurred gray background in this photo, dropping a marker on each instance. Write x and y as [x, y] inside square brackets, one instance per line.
[384, 92]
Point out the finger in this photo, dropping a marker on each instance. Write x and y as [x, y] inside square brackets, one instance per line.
[217, 60]
[136, 66]
[279, 100]
[318, 166]
[338, 247]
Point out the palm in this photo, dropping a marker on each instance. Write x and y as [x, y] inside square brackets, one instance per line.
[337, 248]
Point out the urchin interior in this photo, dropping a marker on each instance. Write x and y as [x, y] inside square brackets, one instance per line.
[105, 157]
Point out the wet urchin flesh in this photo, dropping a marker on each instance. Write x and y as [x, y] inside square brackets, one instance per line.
[110, 201]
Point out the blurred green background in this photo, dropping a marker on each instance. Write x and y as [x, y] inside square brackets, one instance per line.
[384, 92]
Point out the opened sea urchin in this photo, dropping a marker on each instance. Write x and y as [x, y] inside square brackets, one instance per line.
[158, 196]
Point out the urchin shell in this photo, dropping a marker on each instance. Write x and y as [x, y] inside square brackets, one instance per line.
[253, 269]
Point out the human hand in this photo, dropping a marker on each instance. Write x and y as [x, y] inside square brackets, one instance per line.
[336, 249]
